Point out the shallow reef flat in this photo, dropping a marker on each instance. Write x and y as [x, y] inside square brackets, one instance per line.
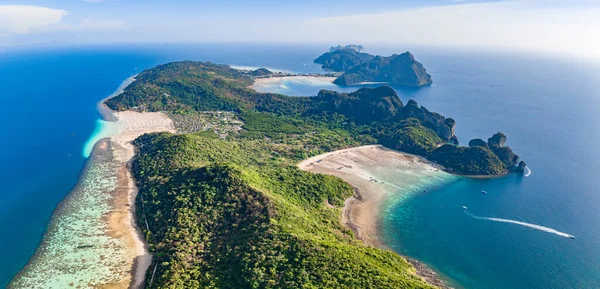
[92, 240]
[79, 250]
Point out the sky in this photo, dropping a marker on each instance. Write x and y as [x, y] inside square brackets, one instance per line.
[554, 26]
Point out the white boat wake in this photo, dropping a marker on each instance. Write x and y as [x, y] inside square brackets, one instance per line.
[533, 226]
[527, 172]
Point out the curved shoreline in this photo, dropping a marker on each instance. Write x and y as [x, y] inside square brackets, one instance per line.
[132, 125]
[92, 239]
[279, 80]
[364, 168]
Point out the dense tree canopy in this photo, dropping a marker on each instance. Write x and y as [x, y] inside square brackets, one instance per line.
[237, 213]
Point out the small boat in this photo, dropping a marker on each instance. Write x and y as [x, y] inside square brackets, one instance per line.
[571, 237]
[464, 207]
[484, 192]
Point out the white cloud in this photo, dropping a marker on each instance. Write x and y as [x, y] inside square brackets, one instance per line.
[34, 20]
[523, 25]
[22, 19]
[550, 26]
[88, 25]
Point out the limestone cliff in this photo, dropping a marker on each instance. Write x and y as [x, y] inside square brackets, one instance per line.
[397, 70]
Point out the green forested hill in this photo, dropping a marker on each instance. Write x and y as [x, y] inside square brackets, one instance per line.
[239, 214]
[367, 115]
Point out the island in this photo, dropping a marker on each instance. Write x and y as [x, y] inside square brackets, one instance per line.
[223, 203]
[359, 67]
[341, 59]
[398, 70]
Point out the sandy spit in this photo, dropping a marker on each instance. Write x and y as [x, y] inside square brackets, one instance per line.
[121, 221]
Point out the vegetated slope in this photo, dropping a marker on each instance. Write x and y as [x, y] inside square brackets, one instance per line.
[239, 214]
[368, 115]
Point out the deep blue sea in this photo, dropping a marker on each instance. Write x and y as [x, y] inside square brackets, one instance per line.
[548, 107]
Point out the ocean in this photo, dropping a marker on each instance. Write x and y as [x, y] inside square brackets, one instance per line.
[546, 106]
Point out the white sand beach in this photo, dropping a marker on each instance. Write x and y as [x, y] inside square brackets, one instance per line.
[361, 167]
[379, 175]
[92, 240]
[122, 220]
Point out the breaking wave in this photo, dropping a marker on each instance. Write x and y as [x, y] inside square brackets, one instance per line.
[527, 172]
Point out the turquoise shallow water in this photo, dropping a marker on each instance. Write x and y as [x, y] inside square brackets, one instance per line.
[48, 112]
[103, 129]
[548, 107]
[50, 123]
[76, 251]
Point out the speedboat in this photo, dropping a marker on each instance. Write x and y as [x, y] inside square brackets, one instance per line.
[484, 192]
[464, 207]
[571, 237]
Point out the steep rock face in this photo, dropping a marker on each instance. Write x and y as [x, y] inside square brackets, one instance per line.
[497, 140]
[521, 167]
[443, 127]
[342, 59]
[364, 105]
[382, 104]
[399, 70]
[506, 155]
[453, 140]
[478, 143]
[451, 123]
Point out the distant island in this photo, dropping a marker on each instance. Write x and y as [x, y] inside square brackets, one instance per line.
[223, 204]
[341, 59]
[357, 48]
[359, 67]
